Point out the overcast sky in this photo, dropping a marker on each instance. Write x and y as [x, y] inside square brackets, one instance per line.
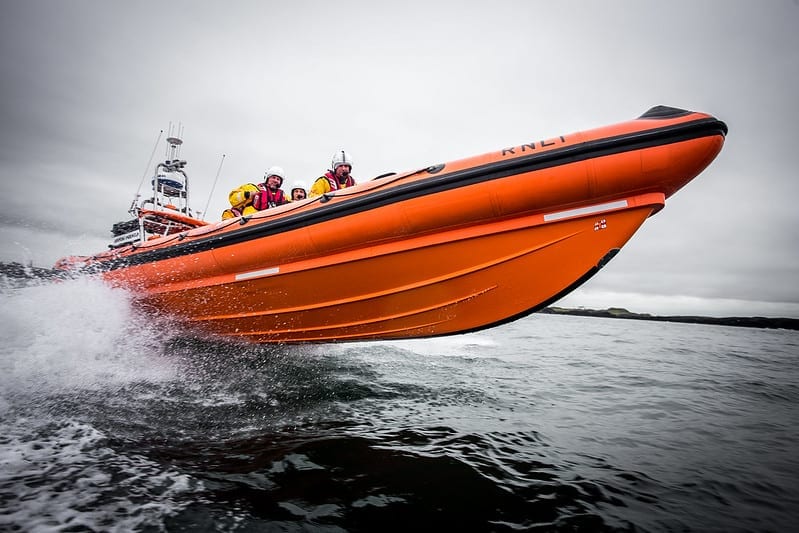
[88, 85]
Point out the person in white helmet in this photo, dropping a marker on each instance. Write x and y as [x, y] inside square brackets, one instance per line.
[271, 194]
[297, 192]
[338, 177]
[249, 198]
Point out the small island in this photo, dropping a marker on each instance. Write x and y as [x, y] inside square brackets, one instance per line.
[618, 312]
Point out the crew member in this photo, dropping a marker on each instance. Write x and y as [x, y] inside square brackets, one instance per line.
[338, 177]
[249, 198]
[297, 192]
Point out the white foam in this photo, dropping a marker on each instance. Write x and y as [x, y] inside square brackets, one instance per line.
[75, 333]
[452, 346]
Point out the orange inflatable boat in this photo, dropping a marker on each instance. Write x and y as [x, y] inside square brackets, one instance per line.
[444, 249]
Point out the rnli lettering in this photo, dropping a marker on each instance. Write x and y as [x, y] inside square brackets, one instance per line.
[529, 147]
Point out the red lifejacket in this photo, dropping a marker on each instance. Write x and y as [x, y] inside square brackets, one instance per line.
[334, 183]
[267, 198]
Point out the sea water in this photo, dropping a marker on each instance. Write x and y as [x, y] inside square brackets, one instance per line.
[111, 421]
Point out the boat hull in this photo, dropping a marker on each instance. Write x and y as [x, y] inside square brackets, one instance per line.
[434, 285]
[441, 250]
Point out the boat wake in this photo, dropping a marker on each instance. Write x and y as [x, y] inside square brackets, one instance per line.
[66, 348]
[75, 333]
[94, 394]
[110, 420]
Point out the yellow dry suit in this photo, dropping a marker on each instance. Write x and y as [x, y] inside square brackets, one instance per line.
[241, 201]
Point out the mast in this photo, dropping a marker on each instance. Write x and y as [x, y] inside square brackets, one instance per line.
[167, 211]
[171, 183]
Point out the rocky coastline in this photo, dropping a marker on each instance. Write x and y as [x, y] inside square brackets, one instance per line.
[738, 321]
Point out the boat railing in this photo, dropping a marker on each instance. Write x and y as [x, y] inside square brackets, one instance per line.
[158, 226]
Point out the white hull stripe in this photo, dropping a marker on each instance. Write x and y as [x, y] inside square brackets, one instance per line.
[257, 273]
[582, 211]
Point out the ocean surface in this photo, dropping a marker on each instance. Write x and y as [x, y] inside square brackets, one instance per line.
[110, 421]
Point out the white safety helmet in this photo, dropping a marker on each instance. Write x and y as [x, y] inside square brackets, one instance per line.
[276, 171]
[341, 158]
[298, 187]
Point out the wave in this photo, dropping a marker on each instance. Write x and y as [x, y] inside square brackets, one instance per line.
[75, 333]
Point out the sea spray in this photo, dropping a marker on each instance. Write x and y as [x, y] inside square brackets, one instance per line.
[76, 333]
[75, 360]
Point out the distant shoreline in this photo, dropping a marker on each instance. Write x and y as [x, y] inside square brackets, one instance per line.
[743, 322]
[19, 271]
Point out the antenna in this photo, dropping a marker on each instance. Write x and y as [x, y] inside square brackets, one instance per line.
[146, 169]
[205, 212]
[173, 149]
[174, 140]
